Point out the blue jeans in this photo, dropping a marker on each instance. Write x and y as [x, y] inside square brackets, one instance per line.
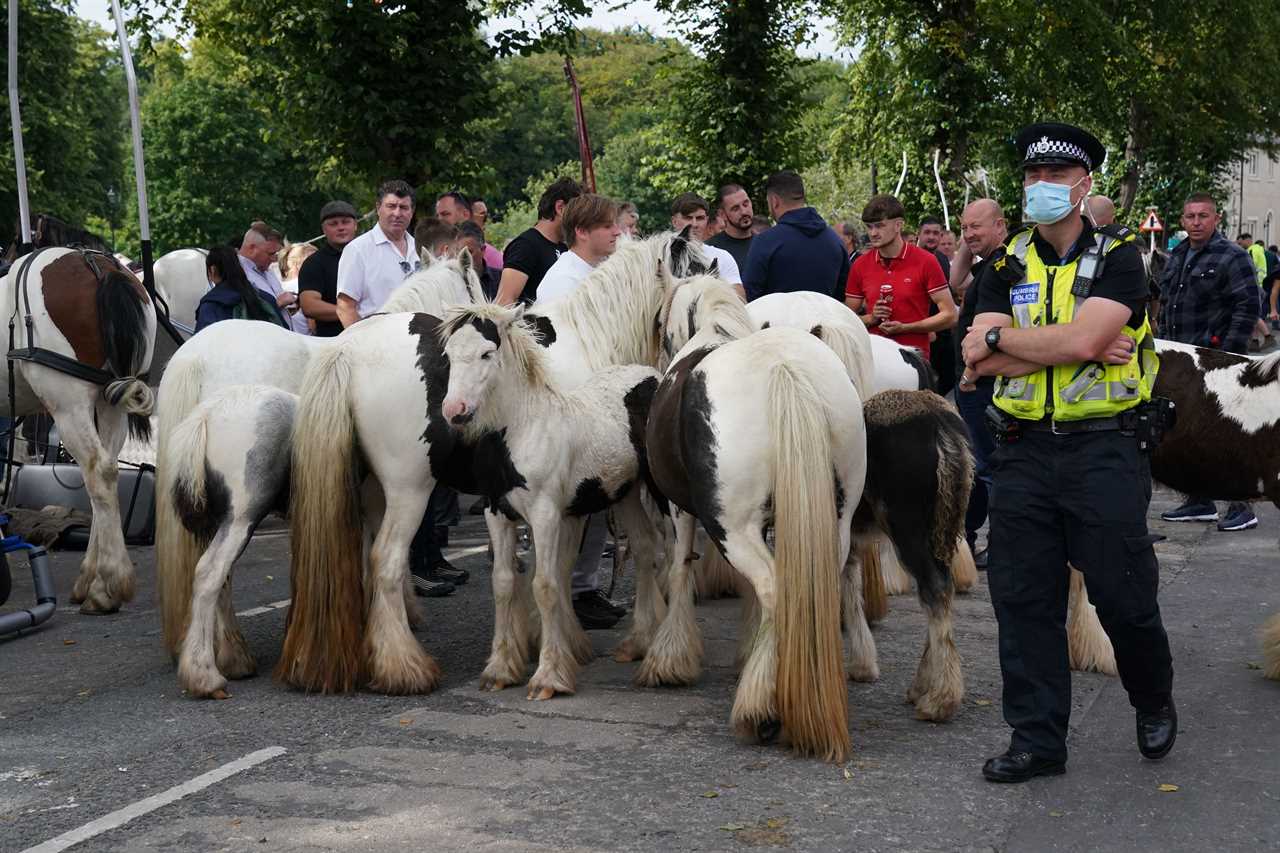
[973, 407]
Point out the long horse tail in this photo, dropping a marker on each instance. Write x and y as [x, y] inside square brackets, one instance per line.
[122, 323]
[1271, 648]
[177, 549]
[812, 700]
[324, 644]
[185, 501]
[852, 347]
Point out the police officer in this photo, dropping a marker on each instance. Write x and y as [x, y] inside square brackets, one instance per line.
[1062, 326]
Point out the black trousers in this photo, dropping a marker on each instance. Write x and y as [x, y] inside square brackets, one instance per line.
[442, 511]
[1081, 499]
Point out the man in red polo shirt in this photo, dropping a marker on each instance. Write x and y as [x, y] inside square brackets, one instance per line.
[913, 274]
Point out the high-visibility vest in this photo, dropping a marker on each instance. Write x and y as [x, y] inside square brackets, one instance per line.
[1081, 390]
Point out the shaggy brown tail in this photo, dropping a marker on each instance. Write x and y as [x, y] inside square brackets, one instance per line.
[812, 700]
[323, 646]
[875, 598]
[177, 550]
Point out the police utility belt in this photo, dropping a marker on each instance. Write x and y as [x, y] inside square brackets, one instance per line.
[1147, 422]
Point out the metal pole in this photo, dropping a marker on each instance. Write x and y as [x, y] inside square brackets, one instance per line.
[140, 177]
[15, 118]
[942, 193]
[903, 176]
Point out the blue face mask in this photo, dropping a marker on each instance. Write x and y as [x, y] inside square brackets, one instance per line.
[1047, 202]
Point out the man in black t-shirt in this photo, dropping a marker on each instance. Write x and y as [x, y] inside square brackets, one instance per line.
[734, 206]
[527, 258]
[318, 277]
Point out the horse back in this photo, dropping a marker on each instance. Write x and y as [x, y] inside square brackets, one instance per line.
[69, 290]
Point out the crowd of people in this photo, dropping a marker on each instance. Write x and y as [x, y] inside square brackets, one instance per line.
[1044, 331]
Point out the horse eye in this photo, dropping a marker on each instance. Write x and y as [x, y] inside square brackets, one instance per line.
[488, 355]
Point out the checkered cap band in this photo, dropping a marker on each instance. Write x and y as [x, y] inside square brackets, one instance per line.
[1044, 145]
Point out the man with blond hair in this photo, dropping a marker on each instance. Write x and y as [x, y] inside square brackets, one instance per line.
[591, 232]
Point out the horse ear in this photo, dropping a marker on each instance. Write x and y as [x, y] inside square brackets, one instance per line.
[684, 232]
[424, 254]
[714, 269]
[464, 258]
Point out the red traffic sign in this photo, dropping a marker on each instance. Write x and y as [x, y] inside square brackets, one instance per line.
[1151, 223]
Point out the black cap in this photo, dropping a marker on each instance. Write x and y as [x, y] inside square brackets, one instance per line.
[1062, 144]
[337, 208]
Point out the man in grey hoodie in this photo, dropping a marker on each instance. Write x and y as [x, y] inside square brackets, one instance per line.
[800, 253]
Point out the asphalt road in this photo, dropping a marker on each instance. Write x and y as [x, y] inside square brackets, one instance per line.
[92, 722]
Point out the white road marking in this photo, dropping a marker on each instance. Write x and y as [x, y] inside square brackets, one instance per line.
[120, 817]
[258, 611]
[456, 554]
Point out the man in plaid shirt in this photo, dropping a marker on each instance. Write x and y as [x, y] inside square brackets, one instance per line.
[1209, 297]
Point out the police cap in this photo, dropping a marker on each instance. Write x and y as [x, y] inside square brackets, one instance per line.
[1061, 144]
[337, 208]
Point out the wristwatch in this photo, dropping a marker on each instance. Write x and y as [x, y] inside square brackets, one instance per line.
[993, 339]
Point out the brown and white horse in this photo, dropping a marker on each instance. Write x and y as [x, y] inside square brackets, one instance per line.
[65, 308]
[1225, 444]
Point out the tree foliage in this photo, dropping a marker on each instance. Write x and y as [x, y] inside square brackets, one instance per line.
[1162, 84]
[73, 113]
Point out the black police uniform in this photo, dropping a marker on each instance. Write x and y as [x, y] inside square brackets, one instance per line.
[1078, 498]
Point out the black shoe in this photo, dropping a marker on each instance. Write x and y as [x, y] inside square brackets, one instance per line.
[1020, 766]
[430, 588]
[1157, 730]
[980, 560]
[594, 611]
[603, 602]
[445, 571]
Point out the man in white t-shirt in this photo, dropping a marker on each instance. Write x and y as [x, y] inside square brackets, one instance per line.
[379, 260]
[591, 232]
[691, 209]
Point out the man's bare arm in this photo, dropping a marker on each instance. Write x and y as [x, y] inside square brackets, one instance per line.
[316, 308]
[348, 311]
[510, 286]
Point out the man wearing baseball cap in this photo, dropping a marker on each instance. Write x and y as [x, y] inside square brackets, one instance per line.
[318, 278]
[1062, 325]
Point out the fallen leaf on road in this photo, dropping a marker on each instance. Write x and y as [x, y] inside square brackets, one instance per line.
[711, 795]
[1055, 814]
[982, 702]
[73, 642]
[1167, 789]
[84, 692]
[847, 774]
[733, 827]
[235, 822]
[404, 721]
[1249, 665]
[271, 577]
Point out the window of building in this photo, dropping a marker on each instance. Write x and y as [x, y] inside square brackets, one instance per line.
[1251, 164]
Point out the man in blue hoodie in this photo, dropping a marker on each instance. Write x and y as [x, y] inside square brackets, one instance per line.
[800, 253]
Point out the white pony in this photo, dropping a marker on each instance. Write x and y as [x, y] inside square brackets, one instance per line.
[81, 312]
[565, 455]
[240, 352]
[750, 431]
[229, 465]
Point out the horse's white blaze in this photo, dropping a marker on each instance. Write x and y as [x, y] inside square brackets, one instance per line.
[473, 359]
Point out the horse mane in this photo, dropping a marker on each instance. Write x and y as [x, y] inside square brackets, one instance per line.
[705, 302]
[526, 353]
[1261, 371]
[611, 312]
[431, 289]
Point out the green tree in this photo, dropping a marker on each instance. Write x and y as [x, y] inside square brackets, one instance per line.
[215, 159]
[73, 113]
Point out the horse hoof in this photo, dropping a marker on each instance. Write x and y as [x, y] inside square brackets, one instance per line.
[627, 653]
[219, 694]
[541, 695]
[767, 731]
[89, 607]
[493, 685]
